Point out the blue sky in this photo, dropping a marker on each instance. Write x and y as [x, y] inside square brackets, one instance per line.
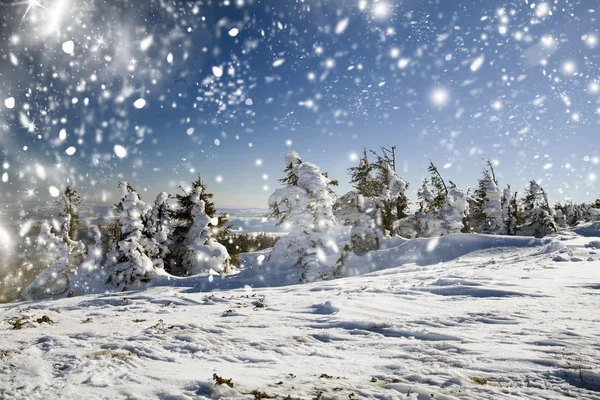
[230, 87]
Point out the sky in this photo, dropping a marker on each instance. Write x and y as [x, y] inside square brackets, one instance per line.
[155, 92]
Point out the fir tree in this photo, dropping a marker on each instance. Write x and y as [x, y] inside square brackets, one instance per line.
[539, 215]
[487, 215]
[438, 189]
[362, 179]
[509, 211]
[202, 251]
[133, 266]
[381, 188]
[53, 281]
[182, 214]
[158, 232]
[69, 203]
[305, 207]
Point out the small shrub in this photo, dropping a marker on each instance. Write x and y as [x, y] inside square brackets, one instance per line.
[222, 381]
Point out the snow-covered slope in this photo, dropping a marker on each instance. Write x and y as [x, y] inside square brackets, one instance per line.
[518, 319]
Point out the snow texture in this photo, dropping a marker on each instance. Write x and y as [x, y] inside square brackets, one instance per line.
[476, 317]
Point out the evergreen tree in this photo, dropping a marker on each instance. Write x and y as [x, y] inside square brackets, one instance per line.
[509, 211]
[133, 266]
[381, 189]
[560, 215]
[487, 215]
[439, 188]
[202, 251]
[90, 276]
[53, 281]
[362, 179]
[539, 215]
[158, 232]
[304, 206]
[69, 203]
[182, 214]
[454, 211]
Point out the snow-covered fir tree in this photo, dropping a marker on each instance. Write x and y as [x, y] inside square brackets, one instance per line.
[538, 214]
[392, 200]
[487, 215]
[181, 215]
[509, 211]
[352, 209]
[69, 213]
[90, 277]
[442, 209]
[132, 267]
[158, 231]
[454, 212]
[305, 208]
[53, 281]
[202, 252]
[559, 215]
[377, 203]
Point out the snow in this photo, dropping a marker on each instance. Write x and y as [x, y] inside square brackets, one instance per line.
[139, 103]
[477, 63]
[217, 71]
[54, 191]
[9, 102]
[496, 318]
[120, 151]
[68, 47]
[341, 26]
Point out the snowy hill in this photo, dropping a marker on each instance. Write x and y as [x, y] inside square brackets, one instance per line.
[458, 317]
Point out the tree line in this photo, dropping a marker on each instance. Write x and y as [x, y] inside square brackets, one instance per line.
[190, 237]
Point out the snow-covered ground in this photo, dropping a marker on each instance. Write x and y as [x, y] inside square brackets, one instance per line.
[497, 318]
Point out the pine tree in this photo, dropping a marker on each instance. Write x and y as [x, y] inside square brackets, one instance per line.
[487, 215]
[91, 276]
[133, 266]
[560, 215]
[202, 251]
[362, 179]
[381, 188]
[509, 211]
[53, 281]
[158, 232]
[436, 205]
[539, 215]
[182, 214]
[305, 207]
[454, 211]
[69, 203]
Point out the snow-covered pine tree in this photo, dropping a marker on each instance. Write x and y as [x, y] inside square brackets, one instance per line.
[560, 215]
[362, 179]
[539, 215]
[305, 207]
[381, 190]
[132, 266]
[158, 232]
[487, 215]
[432, 198]
[90, 277]
[182, 216]
[53, 281]
[454, 211]
[203, 253]
[69, 213]
[392, 200]
[509, 211]
[353, 210]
